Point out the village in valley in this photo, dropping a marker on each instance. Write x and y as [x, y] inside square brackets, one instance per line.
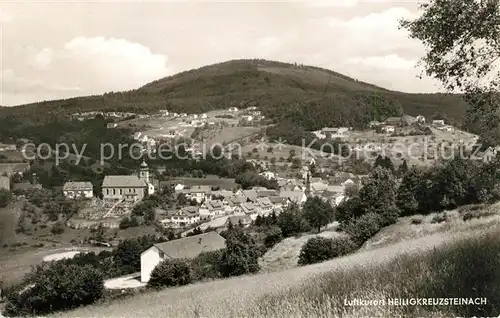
[287, 175]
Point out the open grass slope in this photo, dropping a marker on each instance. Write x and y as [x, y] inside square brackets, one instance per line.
[269, 84]
[450, 264]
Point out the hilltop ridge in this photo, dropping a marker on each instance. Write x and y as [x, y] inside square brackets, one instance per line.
[276, 87]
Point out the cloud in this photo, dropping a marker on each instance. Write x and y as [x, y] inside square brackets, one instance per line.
[84, 66]
[391, 61]
[107, 63]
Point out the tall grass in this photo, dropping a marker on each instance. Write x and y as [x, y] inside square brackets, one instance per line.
[468, 268]
[465, 264]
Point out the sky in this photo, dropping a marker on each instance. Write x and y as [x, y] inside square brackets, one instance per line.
[55, 49]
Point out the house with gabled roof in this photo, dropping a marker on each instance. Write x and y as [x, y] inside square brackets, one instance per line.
[78, 189]
[187, 247]
[264, 205]
[211, 209]
[251, 195]
[278, 202]
[247, 208]
[199, 193]
[318, 187]
[298, 197]
[185, 216]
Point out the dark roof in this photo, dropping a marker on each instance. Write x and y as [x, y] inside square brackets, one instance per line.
[192, 246]
[77, 186]
[123, 181]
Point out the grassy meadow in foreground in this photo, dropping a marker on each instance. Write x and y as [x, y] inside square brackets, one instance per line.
[440, 265]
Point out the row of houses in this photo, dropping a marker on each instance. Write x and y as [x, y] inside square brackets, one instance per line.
[248, 203]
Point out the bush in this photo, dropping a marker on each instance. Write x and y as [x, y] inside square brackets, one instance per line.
[476, 214]
[364, 227]
[206, 265]
[53, 287]
[240, 255]
[292, 222]
[273, 237]
[172, 272]
[439, 218]
[320, 249]
[58, 228]
[416, 221]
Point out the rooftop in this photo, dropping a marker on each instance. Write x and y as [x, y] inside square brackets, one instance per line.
[77, 186]
[123, 181]
[192, 246]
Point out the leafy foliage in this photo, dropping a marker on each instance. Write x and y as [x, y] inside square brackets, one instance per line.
[55, 286]
[5, 197]
[292, 222]
[240, 255]
[171, 272]
[317, 212]
[461, 37]
[273, 236]
[319, 249]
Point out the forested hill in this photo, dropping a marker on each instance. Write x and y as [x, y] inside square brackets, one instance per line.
[309, 96]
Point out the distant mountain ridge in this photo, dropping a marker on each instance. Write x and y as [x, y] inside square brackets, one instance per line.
[281, 90]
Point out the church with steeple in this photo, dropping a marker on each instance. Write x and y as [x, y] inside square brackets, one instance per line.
[129, 188]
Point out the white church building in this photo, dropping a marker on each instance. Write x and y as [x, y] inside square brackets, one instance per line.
[130, 188]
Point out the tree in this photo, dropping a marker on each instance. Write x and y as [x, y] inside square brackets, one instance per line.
[378, 195]
[291, 221]
[317, 212]
[461, 37]
[53, 287]
[171, 272]
[5, 197]
[240, 255]
[273, 236]
[98, 233]
[58, 228]
[364, 227]
[319, 249]
[407, 198]
[403, 168]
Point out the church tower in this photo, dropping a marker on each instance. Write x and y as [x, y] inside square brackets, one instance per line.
[144, 172]
[308, 185]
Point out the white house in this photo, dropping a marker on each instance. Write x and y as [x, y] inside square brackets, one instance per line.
[198, 193]
[204, 116]
[233, 109]
[73, 190]
[111, 125]
[249, 209]
[420, 119]
[265, 206]
[211, 209]
[438, 122]
[179, 187]
[188, 247]
[269, 175]
[185, 216]
[388, 129]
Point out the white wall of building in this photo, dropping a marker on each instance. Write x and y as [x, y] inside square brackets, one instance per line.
[75, 194]
[149, 259]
